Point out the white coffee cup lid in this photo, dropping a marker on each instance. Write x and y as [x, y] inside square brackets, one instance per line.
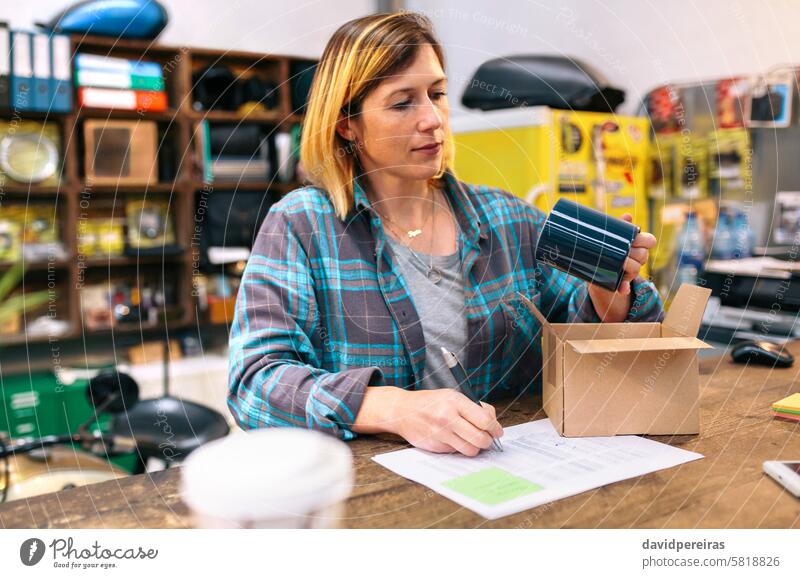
[267, 474]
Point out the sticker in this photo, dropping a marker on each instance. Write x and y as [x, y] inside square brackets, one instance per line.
[492, 486]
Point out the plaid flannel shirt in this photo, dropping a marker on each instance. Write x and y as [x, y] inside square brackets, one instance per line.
[323, 312]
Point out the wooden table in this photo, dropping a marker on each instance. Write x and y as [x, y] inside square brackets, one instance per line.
[727, 489]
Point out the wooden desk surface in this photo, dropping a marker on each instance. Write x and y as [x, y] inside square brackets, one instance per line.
[727, 489]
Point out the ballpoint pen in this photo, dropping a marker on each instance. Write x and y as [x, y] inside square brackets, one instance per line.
[452, 362]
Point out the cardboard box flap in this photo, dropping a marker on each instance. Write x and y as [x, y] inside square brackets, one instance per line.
[529, 304]
[686, 311]
[588, 346]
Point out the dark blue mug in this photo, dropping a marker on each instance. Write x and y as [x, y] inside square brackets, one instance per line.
[586, 243]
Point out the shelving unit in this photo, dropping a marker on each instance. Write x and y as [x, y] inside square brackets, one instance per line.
[178, 64]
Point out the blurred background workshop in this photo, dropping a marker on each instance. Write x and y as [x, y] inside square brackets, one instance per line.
[137, 165]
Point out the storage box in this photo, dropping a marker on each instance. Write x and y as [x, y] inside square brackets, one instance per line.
[153, 352]
[625, 378]
[221, 309]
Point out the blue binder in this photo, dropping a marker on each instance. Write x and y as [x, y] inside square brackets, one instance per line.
[40, 50]
[60, 73]
[21, 71]
[5, 65]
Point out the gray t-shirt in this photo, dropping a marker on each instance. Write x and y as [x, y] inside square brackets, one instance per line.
[440, 307]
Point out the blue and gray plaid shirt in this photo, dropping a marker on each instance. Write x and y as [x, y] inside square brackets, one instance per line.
[323, 312]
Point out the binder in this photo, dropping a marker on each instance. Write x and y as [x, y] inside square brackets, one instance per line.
[208, 174]
[143, 100]
[60, 83]
[5, 65]
[21, 71]
[40, 44]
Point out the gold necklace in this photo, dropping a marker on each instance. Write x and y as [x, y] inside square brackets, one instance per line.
[433, 274]
[412, 232]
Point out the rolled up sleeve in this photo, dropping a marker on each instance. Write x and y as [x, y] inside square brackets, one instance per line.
[645, 304]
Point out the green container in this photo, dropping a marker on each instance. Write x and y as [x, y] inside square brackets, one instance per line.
[38, 404]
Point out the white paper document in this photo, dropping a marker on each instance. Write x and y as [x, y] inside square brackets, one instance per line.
[538, 466]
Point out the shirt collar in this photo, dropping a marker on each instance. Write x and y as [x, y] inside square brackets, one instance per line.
[459, 196]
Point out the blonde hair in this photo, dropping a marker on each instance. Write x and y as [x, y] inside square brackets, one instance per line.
[359, 55]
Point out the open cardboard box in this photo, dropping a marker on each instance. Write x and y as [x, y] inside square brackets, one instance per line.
[603, 379]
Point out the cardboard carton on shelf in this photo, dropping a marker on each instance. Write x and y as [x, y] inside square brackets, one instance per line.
[625, 378]
[221, 309]
[153, 351]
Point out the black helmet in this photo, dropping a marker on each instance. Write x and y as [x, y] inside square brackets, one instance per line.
[554, 81]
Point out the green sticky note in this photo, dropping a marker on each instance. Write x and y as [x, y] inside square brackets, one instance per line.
[492, 486]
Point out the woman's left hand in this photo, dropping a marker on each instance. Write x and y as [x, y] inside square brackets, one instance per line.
[613, 306]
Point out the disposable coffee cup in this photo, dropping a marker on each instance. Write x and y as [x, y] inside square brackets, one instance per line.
[268, 478]
[586, 243]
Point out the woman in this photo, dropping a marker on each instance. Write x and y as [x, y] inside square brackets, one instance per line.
[355, 283]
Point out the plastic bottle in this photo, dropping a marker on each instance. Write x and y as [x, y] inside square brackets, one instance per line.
[724, 242]
[743, 237]
[691, 251]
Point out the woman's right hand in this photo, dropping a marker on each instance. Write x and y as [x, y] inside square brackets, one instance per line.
[437, 420]
[445, 421]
